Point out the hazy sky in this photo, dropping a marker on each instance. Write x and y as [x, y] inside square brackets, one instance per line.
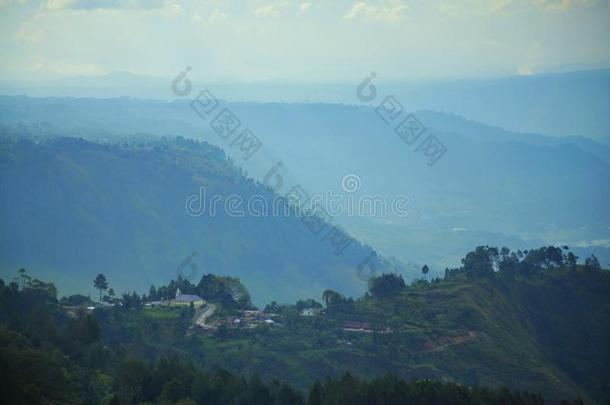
[287, 40]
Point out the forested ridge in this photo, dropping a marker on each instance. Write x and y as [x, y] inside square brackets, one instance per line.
[69, 201]
[530, 326]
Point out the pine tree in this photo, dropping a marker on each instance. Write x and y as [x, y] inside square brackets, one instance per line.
[100, 284]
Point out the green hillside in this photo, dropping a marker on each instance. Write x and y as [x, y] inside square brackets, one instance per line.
[544, 328]
[530, 321]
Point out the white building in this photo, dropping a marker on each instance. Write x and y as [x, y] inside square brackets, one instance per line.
[186, 300]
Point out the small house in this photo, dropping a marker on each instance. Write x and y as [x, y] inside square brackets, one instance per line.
[310, 311]
[354, 326]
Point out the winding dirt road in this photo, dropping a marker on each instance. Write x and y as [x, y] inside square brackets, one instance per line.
[203, 314]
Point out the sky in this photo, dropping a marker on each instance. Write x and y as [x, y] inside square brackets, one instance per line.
[319, 41]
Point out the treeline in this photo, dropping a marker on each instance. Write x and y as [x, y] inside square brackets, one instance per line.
[177, 382]
[481, 262]
[486, 260]
[390, 389]
[174, 382]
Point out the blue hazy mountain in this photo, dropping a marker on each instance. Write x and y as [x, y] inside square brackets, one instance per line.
[135, 212]
[559, 104]
[491, 186]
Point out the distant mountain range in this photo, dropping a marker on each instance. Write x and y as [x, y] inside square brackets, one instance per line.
[558, 104]
[491, 186]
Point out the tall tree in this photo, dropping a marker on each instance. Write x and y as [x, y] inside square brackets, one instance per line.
[21, 276]
[315, 394]
[425, 270]
[571, 260]
[386, 285]
[110, 297]
[100, 284]
[327, 296]
[24, 279]
[592, 263]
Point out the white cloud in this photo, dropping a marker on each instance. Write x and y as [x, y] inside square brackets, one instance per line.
[106, 4]
[67, 68]
[171, 8]
[564, 5]
[4, 3]
[58, 4]
[217, 15]
[268, 10]
[303, 7]
[508, 6]
[271, 10]
[30, 32]
[490, 37]
[394, 12]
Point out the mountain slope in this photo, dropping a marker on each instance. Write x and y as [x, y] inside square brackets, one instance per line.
[73, 208]
[491, 186]
[558, 104]
[544, 332]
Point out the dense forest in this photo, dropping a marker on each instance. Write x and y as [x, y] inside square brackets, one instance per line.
[528, 325]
